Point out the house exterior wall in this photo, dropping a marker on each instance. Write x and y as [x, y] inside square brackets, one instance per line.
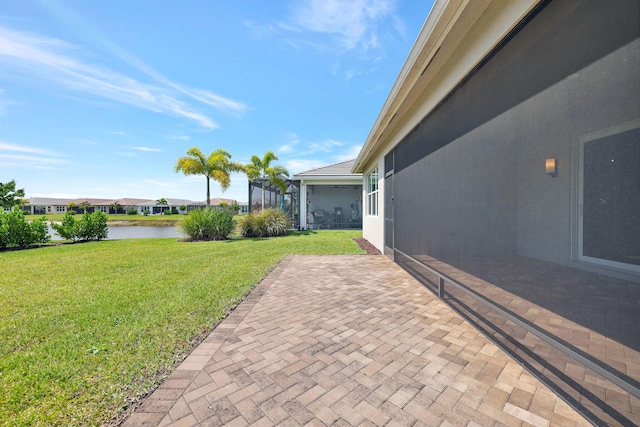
[373, 226]
[469, 179]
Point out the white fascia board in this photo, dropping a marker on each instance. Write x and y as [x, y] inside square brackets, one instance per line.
[456, 37]
[333, 181]
[332, 178]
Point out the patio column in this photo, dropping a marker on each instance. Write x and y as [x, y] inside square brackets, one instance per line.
[303, 205]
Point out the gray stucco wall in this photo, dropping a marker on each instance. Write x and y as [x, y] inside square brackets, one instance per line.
[470, 179]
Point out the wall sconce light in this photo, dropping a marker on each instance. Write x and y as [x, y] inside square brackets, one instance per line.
[551, 166]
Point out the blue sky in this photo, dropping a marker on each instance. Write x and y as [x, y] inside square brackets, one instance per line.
[100, 98]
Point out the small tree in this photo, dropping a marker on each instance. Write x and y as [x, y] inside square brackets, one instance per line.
[92, 226]
[261, 170]
[217, 166]
[84, 206]
[71, 207]
[162, 202]
[16, 231]
[9, 196]
[116, 206]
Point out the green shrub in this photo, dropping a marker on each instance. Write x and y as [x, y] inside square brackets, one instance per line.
[266, 223]
[207, 224]
[145, 212]
[166, 212]
[132, 212]
[16, 231]
[92, 226]
[39, 231]
[67, 228]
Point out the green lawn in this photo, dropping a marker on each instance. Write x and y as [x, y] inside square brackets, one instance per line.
[85, 329]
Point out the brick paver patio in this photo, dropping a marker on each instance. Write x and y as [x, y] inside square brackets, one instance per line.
[349, 340]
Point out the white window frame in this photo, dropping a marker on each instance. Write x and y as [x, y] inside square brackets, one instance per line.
[60, 209]
[372, 192]
[103, 209]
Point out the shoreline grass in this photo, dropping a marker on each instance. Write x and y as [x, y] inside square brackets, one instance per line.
[87, 329]
[125, 220]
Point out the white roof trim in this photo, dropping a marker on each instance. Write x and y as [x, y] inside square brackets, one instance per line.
[455, 38]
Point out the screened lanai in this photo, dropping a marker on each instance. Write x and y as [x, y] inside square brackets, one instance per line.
[508, 160]
[328, 197]
[332, 197]
[289, 202]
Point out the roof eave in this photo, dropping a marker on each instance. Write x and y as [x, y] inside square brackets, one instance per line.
[451, 25]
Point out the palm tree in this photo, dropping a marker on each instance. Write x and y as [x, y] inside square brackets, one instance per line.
[162, 202]
[71, 207]
[261, 170]
[217, 166]
[116, 206]
[84, 205]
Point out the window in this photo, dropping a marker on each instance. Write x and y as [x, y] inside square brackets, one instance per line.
[372, 193]
[104, 209]
[609, 201]
[59, 209]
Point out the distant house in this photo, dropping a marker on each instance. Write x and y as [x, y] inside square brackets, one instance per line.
[128, 204]
[43, 205]
[244, 208]
[330, 197]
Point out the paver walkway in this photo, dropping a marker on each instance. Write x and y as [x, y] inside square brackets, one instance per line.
[349, 340]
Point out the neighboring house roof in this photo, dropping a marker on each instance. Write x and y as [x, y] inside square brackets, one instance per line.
[340, 170]
[217, 200]
[96, 202]
[180, 202]
[52, 201]
[48, 201]
[132, 202]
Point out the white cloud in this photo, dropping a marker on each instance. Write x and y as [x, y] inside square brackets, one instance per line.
[295, 166]
[147, 149]
[259, 31]
[28, 160]
[51, 61]
[6, 146]
[25, 157]
[180, 137]
[326, 146]
[353, 23]
[286, 148]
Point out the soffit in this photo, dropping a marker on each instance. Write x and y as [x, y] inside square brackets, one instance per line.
[455, 38]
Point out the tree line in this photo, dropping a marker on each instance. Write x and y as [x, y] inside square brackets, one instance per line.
[219, 166]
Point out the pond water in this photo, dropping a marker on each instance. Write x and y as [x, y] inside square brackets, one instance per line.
[134, 232]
